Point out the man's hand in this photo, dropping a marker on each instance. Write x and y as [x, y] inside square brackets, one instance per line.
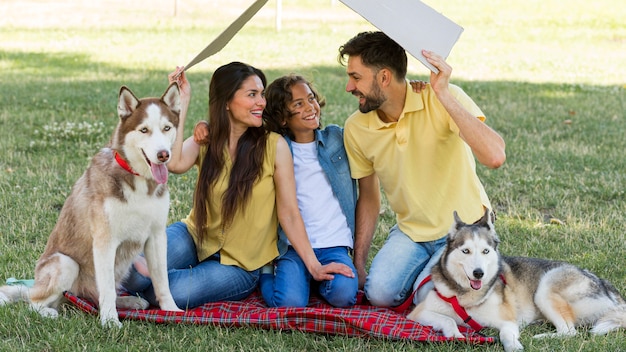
[439, 81]
[362, 274]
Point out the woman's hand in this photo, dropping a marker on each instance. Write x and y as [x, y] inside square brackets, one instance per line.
[201, 132]
[418, 86]
[184, 87]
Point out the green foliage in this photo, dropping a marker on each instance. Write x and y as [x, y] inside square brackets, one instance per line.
[548, 74]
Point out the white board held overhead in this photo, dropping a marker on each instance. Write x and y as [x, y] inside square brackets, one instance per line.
[412, 24]
[221, 40]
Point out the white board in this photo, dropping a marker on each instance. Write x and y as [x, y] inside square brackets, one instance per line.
[412, 24]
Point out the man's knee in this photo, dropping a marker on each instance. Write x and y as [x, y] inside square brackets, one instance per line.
[382, 293]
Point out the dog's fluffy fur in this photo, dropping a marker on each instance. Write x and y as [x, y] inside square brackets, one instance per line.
[112, 214]
[508, 292]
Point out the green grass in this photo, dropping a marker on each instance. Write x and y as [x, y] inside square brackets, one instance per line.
[550, 76]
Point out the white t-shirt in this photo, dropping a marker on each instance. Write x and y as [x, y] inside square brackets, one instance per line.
[325, 223]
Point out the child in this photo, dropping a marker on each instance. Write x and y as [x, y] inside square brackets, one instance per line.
[326, 197]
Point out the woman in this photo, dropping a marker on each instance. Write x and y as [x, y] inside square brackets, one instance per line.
[245, 188]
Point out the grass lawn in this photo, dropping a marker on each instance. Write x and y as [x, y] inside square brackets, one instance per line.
[550, 75]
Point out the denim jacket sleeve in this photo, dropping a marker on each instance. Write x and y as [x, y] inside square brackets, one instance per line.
[334, 161]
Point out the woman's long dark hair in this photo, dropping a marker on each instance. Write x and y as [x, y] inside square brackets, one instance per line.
[278, 96]
[246, 169]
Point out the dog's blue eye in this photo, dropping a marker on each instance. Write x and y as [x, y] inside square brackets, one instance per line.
[167, 128]
[144, 130]
[486, 251]
[465, 251]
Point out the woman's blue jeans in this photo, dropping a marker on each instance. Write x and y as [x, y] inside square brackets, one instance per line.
[292, 283]
[194, 283]
[396, 267]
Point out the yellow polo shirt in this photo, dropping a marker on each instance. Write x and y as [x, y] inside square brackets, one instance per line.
[251, 240]
[425, 169]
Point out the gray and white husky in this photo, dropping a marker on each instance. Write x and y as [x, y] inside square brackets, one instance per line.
[475, 286]
[117, 209]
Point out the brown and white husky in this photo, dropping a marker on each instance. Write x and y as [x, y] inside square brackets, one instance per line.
[475, 286]
[117, 209]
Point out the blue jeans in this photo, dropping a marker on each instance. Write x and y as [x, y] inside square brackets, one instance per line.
[291, 284]
[396, 267]
[194, 283]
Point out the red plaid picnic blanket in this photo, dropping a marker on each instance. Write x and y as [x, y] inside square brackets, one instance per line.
[362, 320]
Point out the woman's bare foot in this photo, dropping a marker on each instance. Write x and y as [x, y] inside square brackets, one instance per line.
[141, 265]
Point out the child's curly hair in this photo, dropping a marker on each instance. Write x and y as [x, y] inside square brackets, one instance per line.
[278, 95]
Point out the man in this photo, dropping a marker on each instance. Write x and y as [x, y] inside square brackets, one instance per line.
[421, 147]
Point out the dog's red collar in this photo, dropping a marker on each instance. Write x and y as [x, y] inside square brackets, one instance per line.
[123, 163]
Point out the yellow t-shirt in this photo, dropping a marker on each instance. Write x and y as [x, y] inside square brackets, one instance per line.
[251, 240]
[425, 169]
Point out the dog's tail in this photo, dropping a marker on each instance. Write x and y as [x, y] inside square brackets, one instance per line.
[611, 320]
[13, 293]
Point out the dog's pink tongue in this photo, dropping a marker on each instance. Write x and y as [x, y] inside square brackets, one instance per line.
[476, 284]
[159, 172]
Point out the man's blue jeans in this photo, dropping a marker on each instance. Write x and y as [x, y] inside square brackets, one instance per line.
[396, 266]
[194, 283]
[291, 284]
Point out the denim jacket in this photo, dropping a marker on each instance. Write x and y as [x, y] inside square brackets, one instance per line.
[334, 161]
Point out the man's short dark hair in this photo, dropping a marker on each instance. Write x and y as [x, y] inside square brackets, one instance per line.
[376, 50]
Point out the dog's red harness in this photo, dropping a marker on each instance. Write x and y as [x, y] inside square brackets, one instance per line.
[123, 163]
[460, 311]
[453, 301]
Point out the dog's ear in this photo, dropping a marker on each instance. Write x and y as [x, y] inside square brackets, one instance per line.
[491, 217]
[487, 221]
[171, 97]
[456, 225]
[496, 240]
[457, 220]
[127, 103]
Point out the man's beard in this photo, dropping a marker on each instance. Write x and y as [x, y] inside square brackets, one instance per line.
[373, 101]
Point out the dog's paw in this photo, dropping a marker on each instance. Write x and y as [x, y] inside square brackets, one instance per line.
[171, 308]
[110, 322]
[448, 328]
[47, 312]
[131, 302]
[568, 333]
[169, 305]
[3, 299]
[452, 332]
[512, 346]
[166, 302]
